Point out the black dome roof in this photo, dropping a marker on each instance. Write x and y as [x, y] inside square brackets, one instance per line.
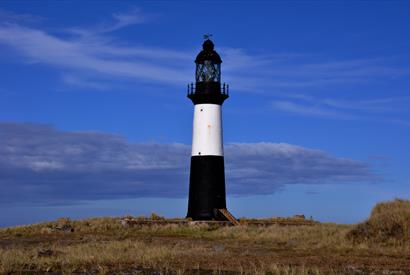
[208, 53]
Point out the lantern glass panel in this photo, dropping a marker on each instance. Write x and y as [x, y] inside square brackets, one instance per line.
[208, 72]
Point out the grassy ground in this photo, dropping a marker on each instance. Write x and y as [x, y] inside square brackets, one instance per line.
[102, 246]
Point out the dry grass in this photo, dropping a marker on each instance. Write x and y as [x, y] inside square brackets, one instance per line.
[388, 224]
[102, 245]
[88, 256]
[129, 256]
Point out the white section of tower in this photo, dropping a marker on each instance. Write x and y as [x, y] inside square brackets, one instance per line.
[207, 130]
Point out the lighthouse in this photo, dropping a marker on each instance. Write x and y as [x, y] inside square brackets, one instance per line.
[207, 199]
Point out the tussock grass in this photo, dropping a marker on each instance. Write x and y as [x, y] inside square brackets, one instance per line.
[388, 224]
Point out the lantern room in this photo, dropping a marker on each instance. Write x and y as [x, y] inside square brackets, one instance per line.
[208, 64]
[208, 88]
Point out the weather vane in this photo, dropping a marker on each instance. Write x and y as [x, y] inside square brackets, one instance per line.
[207, 36]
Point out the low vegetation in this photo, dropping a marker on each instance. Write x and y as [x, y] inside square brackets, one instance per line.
[389, 223]
[102, 245]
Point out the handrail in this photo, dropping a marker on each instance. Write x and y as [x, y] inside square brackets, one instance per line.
[191, 89]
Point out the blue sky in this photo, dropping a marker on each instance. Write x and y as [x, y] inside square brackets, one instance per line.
[94, 118]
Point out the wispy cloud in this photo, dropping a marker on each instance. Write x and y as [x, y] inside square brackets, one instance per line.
[385, 104]
[78, 81]
[390, 109]
[56, 166]
[7, 16]
[41, 47]
[291, 72]
[90, 49]
[89, 58]
[135, 16]
[309, 110]
[119, 20]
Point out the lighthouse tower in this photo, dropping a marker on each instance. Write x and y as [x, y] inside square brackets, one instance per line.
[207, 176]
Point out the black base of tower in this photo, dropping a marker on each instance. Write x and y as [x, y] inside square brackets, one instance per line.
[206, 187]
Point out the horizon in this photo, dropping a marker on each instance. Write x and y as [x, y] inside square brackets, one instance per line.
[95, 121]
